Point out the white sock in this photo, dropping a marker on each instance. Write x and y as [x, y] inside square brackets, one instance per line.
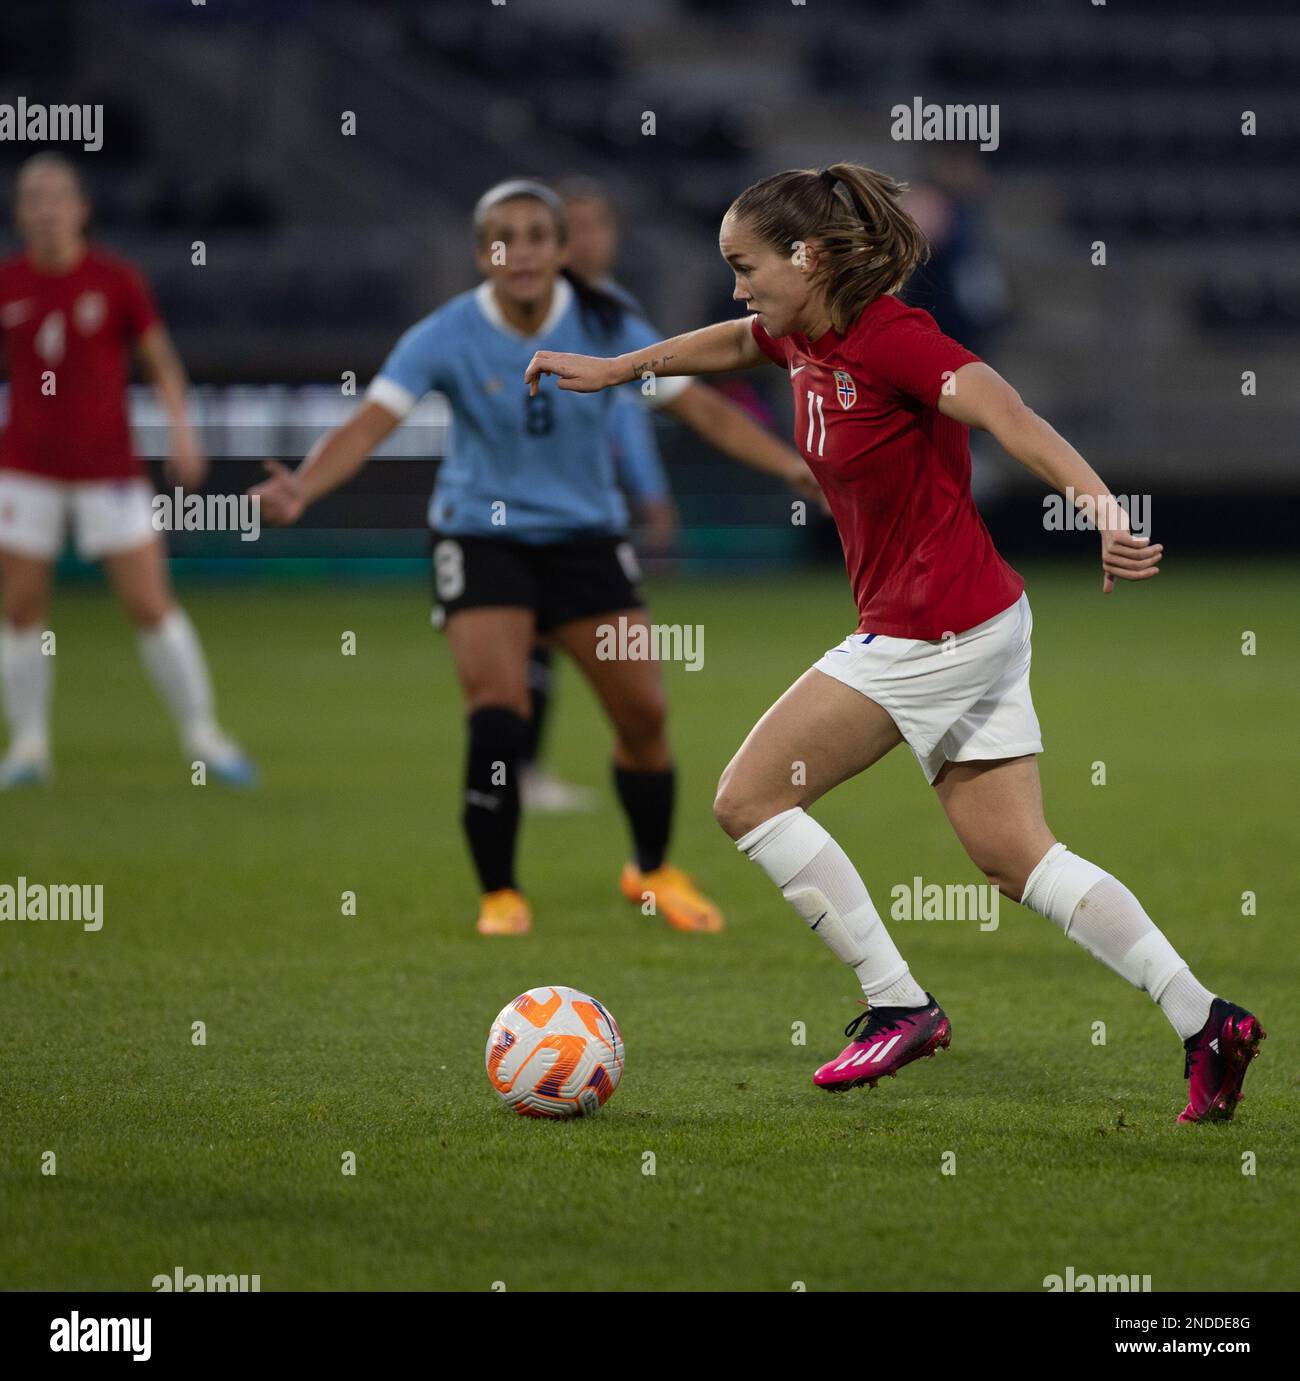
[173, 657]
[26, 680]
[1099, 913]
[1186, 1003]
[817, 879]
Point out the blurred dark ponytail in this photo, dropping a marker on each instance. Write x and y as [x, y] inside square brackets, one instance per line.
[603, 310]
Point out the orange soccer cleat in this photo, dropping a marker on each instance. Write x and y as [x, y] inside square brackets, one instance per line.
[504, 912]
[682, 904]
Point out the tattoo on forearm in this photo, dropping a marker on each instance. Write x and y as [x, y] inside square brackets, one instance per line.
[650, 366]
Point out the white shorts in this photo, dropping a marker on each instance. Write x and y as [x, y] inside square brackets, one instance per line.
[108, 516]
[965, 699]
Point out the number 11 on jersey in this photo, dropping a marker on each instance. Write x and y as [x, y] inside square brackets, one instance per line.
[815, 415]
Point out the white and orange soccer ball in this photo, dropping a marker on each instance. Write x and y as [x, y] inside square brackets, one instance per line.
[555, 1052]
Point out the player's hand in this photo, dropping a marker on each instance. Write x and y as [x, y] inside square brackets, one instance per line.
[804, 483]
[280, 496]
[1127, 557]
[187, 466]
[576, 373]
[661, 523]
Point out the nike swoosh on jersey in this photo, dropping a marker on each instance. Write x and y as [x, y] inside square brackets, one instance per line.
[794, 369]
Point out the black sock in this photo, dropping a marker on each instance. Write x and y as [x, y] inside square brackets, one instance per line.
[539, 693]
[648, 800]
[491, 816]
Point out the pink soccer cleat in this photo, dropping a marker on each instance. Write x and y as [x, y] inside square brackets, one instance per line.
[891, 1038]
[1218, 1056]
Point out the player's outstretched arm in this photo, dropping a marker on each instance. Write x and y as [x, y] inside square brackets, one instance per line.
[981, 397]
[716, 349]
[332, 461]
[734, 432]
[186, 464]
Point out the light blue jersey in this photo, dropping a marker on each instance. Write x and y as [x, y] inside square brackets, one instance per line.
[637, 462]
[530, 469]
[638, 466]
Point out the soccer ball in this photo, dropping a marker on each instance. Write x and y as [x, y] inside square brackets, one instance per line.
[554, 1052]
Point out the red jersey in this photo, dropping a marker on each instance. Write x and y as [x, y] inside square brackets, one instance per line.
[895, 471]
[67, 339]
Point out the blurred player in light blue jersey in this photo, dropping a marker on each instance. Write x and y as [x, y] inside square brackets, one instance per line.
[592, 247]
[592, 251]
[529, 531]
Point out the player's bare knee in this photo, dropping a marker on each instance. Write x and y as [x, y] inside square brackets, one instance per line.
[147, 613]
[1008, 879]
[1009, 872]
[499, 698]
[724, 812]
[727, 802]
[23, 615]
[641, 723]
[26, 604]
[737, 811]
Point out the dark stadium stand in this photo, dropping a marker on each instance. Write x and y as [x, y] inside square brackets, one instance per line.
[336, 242]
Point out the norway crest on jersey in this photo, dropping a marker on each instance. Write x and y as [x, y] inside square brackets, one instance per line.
[845, 388]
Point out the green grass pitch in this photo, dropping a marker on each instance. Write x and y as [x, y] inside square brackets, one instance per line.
[329, 1034]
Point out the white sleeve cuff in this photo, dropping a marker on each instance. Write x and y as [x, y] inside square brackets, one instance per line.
[388, 394]
[666, 389]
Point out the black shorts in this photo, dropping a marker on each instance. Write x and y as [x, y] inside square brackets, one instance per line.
[559, 581]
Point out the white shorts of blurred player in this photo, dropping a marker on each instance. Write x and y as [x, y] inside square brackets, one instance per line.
[107, 516]
[964, 698]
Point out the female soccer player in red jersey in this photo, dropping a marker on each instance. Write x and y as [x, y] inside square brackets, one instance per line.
[940, 658]
[528, 533]
[69, 314]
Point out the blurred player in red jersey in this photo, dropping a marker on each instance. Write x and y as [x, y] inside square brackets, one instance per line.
[940, 658]
[70, 315]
